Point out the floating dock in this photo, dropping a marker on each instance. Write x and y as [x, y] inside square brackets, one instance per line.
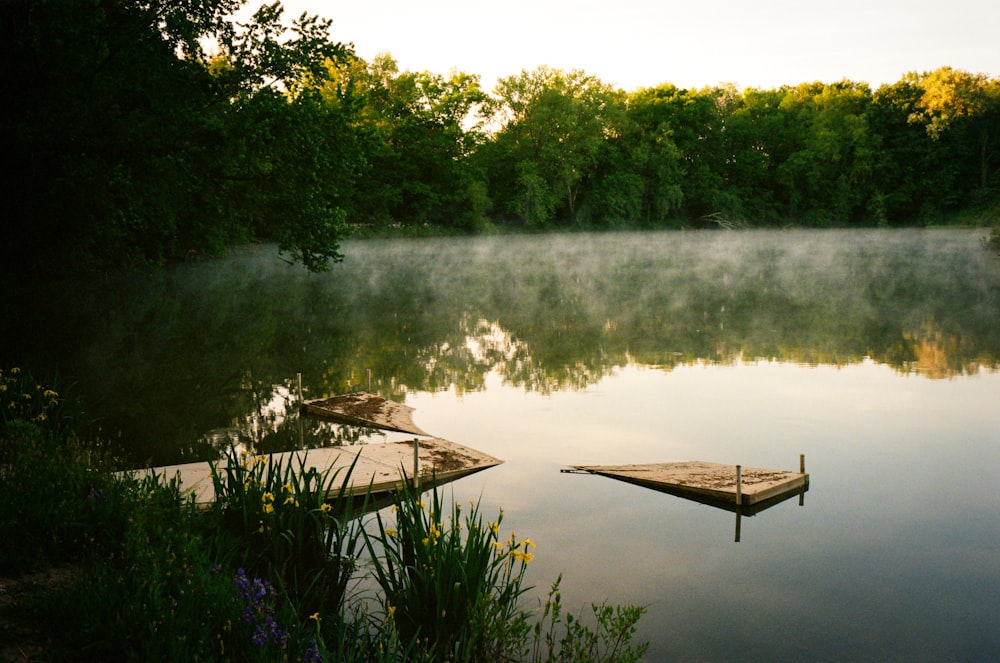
[745, 491]
[731, 487]
[382, 467]
[363, 409]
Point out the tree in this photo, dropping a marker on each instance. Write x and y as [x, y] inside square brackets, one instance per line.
[127, 136]
[695, 122]
[553, 126]
[958, 101]
[415, 128]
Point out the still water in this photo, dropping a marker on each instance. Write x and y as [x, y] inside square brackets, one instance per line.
[875, 354]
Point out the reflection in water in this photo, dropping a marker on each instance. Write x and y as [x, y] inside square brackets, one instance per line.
[214, 346]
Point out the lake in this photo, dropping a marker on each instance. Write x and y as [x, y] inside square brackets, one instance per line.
[873, 353]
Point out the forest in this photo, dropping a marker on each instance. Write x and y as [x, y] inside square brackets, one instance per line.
[139, 132]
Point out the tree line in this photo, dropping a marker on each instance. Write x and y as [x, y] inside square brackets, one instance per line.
[140, 131]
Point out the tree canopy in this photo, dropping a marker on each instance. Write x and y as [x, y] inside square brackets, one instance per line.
[135, 132]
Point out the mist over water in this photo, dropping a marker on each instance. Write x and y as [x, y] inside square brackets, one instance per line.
[874, 353]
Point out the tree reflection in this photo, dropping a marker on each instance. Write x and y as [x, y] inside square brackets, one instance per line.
[182, 363]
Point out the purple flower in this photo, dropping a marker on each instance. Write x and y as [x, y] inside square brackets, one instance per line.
[256, 610]
[312, 654]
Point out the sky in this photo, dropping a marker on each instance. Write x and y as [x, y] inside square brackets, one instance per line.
[632, 44]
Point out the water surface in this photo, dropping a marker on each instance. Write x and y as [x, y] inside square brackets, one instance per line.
[873, 353]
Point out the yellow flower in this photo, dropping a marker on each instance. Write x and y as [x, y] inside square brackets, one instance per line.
[391, 533]
[287, 488]
[314, 616]
[527, 543]
[268, 508]
[291, 500]
[496, 528]
[326, 508]
[48, 393]
[267, 498]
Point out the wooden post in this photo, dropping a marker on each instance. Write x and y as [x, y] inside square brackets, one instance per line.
[369, 380]
[738, 518]
[298, 377]
[739, 485]
[416, 463]
[802, 470]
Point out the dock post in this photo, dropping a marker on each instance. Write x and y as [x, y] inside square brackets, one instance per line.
[369, 380]
[416, 463]
[739, 485]
[298, 378]
[802, 470]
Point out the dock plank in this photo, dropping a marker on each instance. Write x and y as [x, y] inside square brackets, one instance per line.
[382, 466]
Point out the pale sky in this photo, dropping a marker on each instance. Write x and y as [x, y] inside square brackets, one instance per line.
[695, 43]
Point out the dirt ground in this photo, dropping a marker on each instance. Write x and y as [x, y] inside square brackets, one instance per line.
[23, 636]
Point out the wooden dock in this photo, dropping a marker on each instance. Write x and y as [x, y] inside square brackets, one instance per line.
[747, 490]
[383, 466]
[364, 409]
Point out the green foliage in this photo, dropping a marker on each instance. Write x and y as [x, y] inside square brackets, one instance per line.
[554, 128]
[128, 143]
[412, 127]
[451, 585]
[290, 524]
[560, 638]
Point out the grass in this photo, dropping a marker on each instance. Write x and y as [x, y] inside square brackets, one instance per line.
[97, 565]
